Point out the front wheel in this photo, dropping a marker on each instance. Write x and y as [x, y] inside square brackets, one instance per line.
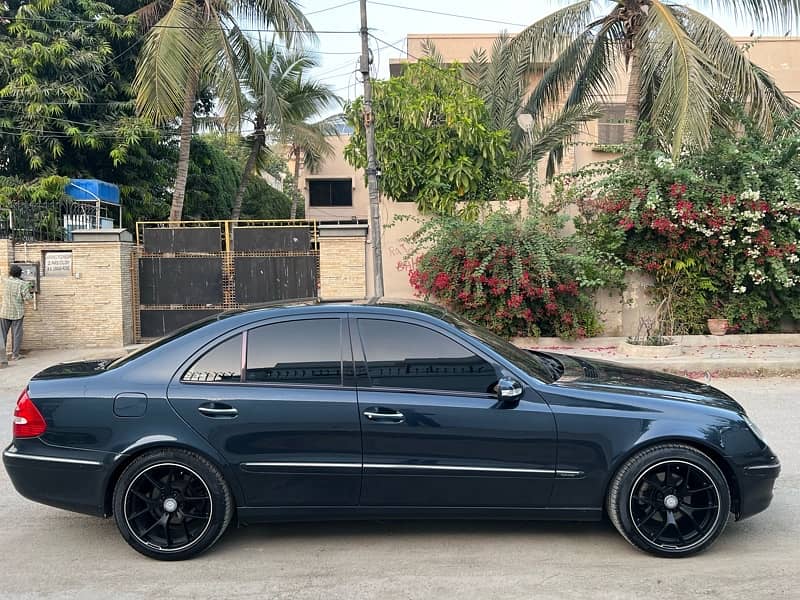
[171, 504]
[670, 500]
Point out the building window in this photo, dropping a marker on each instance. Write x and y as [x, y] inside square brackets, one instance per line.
[330, 192]
[611, 126]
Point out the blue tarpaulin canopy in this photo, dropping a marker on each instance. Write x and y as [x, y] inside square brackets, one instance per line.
[92, 190]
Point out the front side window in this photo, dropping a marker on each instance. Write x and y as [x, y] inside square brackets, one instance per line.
[295, 352]
[408, 356]
[221, 364]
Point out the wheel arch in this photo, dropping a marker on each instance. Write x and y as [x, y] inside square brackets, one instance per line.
[709, 450]
[128, 458]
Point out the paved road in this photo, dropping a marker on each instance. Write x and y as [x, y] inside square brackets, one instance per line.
[54, 554]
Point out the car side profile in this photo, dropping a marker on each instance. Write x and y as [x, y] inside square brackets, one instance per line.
[402, 410]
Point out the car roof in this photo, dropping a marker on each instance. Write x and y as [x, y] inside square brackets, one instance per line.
[368, 305]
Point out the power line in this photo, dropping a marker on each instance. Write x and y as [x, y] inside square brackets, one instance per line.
[322, 10]
[445, 14]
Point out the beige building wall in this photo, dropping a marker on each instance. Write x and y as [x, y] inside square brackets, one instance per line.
[91, 307]
[336, 167]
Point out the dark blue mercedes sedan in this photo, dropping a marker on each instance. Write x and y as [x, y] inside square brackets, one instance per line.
[380, 410]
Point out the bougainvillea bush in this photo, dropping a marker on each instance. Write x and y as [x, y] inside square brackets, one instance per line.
[515, 276]
[732, 213]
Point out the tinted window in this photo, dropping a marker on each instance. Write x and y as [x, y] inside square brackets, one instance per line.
[402, 355]
[330, 192]
[295, 352]
[223, 363]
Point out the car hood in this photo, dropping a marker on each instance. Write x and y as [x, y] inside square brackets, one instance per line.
[601, 375]
[81, 368]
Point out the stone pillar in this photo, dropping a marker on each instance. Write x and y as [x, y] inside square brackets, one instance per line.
[342, 262]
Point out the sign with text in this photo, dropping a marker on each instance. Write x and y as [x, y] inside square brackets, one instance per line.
[57, 264]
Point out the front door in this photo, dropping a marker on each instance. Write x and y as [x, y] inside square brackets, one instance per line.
[285, 423]
[434, 433]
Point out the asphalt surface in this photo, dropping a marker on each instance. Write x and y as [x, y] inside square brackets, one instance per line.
[48, 553]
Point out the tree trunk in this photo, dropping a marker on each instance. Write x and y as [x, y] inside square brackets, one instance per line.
[258, 143]
[296, 152]
[633, 101]
[187, 120]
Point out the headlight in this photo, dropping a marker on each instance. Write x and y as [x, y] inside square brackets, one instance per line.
[754, 428]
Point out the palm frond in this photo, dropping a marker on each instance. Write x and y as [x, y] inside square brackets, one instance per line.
[585, 71]
[545, 39]
[682, 107]
[285, 16]
[222, 65]
[169, 57]
[150, 13]
[767, 15]
[743, 82]
[549, 135]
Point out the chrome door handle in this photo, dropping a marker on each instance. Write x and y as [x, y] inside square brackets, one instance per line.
[218, 412]
[394, 417]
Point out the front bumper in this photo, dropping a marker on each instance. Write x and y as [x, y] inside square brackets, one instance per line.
[756, 482]
[59, 479]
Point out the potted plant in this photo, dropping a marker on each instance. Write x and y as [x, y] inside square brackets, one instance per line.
[651, 341]
[717, 322]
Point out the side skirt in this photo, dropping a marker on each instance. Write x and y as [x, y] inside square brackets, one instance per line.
[250, 514]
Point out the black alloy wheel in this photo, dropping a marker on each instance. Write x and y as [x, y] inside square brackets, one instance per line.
[671, 500]
[171, 504]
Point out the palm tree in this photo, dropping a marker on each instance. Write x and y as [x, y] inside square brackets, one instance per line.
[683, 69]
[502, 80]
[298, 100]
[194, 41]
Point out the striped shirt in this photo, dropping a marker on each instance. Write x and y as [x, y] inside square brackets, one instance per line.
[15, 293]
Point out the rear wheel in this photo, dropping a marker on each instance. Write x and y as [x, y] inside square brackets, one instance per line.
[172, 504]
[670, 500]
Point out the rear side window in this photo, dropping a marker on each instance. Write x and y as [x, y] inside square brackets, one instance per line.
[297, 352]
[221, 364]
[408, 356]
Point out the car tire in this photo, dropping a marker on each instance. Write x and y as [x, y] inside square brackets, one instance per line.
[172, 504]
[670, 500]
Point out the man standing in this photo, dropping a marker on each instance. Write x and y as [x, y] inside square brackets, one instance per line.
[15, 293]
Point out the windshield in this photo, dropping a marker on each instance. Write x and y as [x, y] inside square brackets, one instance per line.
[530, 363]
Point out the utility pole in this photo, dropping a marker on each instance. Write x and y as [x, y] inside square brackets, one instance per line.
[372, 166]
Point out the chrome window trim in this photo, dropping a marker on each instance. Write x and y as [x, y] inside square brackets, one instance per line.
[72, 461]
[354, 465]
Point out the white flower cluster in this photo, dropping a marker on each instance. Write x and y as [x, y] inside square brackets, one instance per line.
[664, 162]
[753, 252]
[758, 276]
[739, 290]
[793, 258]
[750, 195]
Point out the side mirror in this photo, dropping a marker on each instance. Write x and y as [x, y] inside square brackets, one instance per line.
[508, 390]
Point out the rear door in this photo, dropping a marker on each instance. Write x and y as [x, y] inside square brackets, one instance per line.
[272, 401]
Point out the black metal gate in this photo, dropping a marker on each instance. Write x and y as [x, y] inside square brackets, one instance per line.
[192, 269]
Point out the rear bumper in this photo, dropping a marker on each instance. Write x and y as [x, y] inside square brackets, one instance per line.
[755, 487]
[53, 478]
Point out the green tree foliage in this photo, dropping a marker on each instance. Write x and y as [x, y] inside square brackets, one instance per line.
[66, 107]
[215, 170]
[682, 67]
[192, 43]
[435, 142]
[300, 99]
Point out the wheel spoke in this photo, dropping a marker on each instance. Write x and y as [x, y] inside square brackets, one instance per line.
[186, 531]
[649, 516]
[156, 484]
[166, 529]
[690, 516]
[150, 501]
[138, 514]
[660, 531]
[700, 489]
[187, 515]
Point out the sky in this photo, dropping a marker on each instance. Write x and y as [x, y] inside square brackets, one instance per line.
[338, 52]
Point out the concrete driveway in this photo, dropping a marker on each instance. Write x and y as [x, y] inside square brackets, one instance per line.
[55, 554]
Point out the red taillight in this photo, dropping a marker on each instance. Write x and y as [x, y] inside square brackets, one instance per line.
[28, 421]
